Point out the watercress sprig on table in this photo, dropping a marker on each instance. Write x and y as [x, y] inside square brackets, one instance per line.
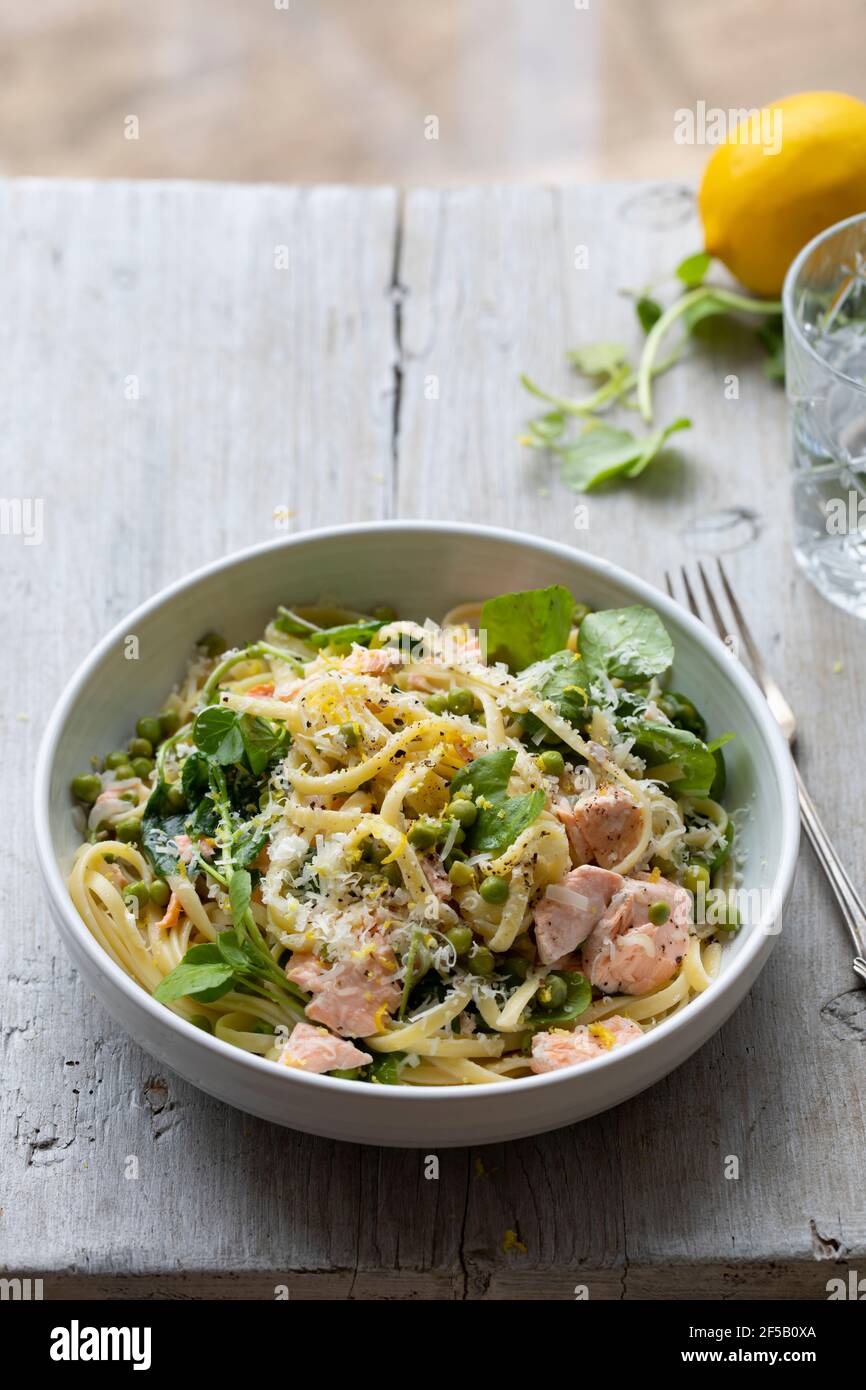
[603, 453]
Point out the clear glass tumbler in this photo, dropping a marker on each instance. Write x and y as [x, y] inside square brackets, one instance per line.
[825, 376]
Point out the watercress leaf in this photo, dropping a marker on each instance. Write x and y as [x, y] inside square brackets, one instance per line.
[346, 634]
[546, 428]
[160, 824]
[231, 950]
[501, 818]
[293, 623]
[653, 444]
[527, 626]
[625, 642]
[259, 739]
[720, 741]
[384, 1070]
[202, 973]
[240, 889]
[499, 825]
[488, 775]
[598, 359]
[194, 778]
[602, 452]
[247, 844]
[674, 756]
[648, 310]
[217, 734]
[692, 271]
[577, 1000]
[563, 680]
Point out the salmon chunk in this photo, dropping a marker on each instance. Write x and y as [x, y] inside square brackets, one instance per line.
[603, 826]
[556, 1049]
[436, 875]
[629, 954]
[316, 1050]
[352, 997]
[561, 926]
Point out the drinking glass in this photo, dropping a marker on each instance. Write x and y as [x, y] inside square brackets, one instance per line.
[825, 375]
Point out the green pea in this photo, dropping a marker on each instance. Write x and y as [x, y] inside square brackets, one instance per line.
[578, 613]
[116, 759]
[213, 644]
[385, 613]
[391, 874]
[481, 961]
[437, 704]
[374, 851]
[461, 701]
[694, 876]
[524, 946]
[169, 721]
[466, 812]
[140, 748]
[494, 889]
[142, 767]
[86, 787]
[176, 798]
[349, 734]
[150, 728]
[128, 829]
[124, 772]
[726, 914]
[658, 913]
[461, 875]
[460, 938]
[202, 1022]
[346, 1073]
[553, 992]
[464, 793]
[551, 762]
[137, 890]
[425, 832]
[159, 892]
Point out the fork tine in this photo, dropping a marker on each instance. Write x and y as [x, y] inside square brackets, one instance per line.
[690, 594]
[745, 631]
[721, 625]
[668, 585]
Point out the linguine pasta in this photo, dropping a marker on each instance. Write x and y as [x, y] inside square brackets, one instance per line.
[352, 845]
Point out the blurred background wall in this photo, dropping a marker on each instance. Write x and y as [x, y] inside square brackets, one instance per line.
[343, 90]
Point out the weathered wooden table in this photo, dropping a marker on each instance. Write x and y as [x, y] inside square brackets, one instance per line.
[185, 367]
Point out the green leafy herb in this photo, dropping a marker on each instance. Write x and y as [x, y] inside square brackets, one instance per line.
[526, 627]
[564, 681]
[649, 311]
[626, 642]
[345, 635]
[599, 359]
[231, 950]
[293, 623]
[203, 972]
[501, 818]
[160, 824]
[674, 756]
[240, 889]
[577, 1000]
[216, 733]
[604, 453]
[384, 1070]
[692, 271]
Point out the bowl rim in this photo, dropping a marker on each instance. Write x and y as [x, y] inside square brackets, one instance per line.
[600, 568]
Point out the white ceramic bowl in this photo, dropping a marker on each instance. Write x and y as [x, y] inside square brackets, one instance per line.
[423, 568]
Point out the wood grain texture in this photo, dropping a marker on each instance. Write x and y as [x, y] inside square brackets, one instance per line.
[315, 388]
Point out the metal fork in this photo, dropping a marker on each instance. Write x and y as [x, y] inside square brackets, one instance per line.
[850, 902]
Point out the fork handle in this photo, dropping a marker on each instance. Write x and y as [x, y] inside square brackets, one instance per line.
[850, 902]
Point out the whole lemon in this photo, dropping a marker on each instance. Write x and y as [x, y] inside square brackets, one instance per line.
[795, 168]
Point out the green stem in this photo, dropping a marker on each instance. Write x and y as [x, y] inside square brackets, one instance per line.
[681, 306]
[256, 649]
